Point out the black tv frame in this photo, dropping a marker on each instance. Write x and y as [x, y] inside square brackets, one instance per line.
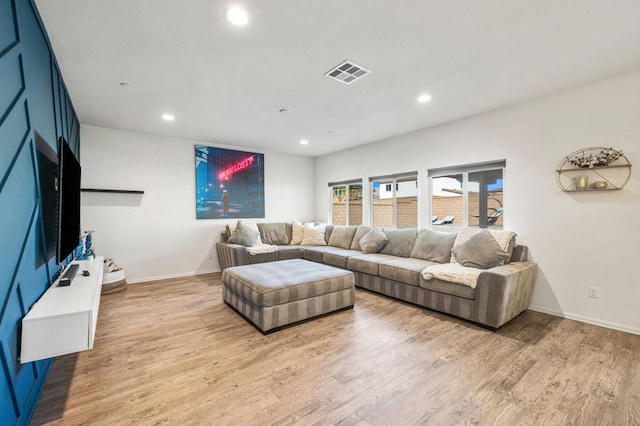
[69, 201]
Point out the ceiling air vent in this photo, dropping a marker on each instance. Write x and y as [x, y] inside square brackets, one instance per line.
[347, 72]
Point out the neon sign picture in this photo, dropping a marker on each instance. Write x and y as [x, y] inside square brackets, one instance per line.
[229, 183]
[240, 165]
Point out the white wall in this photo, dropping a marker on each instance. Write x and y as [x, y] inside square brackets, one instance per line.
[578, 239]
[156, 235]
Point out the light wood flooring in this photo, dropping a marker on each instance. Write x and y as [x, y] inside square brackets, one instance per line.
[171, 352]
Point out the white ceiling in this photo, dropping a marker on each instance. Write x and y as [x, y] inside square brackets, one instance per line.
[226, 84]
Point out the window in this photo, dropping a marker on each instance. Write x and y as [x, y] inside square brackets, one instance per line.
[395, 200]
[346, 203]
[468, 195]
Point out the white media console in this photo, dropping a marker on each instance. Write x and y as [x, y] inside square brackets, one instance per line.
[64, 319]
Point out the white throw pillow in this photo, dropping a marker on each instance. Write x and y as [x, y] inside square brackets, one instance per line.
[314, 235]
[297, 232]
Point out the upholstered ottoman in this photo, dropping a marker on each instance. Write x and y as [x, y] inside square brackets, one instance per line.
[274, 294]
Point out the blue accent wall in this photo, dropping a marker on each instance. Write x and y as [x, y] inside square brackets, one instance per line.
[33, 98]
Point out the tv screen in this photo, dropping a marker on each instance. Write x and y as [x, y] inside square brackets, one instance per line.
[48, 174]
[69, 230]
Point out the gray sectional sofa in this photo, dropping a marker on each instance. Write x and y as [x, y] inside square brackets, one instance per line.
[500, 294]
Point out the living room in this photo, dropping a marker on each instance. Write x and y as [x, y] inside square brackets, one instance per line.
[579, 240]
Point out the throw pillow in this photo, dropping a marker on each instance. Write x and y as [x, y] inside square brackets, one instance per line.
[245, 235]
[230, 228]
[360, 232]
[297, 231]
[341, 236]
[373, 241]
[480, 251]
[463, 236]
[433, 245]
[314, 235]
[400, 242]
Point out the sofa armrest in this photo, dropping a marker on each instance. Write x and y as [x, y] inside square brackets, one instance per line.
[231, 255]
[505, 291]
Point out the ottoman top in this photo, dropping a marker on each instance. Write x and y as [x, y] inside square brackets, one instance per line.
[275, 283]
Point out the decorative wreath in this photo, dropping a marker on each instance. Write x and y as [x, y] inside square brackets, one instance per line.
[588, 158]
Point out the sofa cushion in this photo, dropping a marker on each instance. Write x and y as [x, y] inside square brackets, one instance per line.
[342, 236]
[339, 258]
[313, 235]
[244, 234]
[290, 252]
[400, 242]
[406, 270]
[480, 251]
[433, 245]
[273, 233]
[361, 231]
[316, 253]
[368, 263]
[458, 290]
[373, 241]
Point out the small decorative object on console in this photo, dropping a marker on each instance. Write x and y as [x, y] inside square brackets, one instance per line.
[113, 280]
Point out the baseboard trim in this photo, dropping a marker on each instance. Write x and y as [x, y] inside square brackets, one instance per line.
[168, 276]
[588, 320]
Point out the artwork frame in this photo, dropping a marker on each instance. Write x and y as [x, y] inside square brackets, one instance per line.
[229, 183]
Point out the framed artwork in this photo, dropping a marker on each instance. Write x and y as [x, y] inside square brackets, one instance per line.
[229, 183]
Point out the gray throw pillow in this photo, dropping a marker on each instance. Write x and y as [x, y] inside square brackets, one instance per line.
[480, 251]
[341, 236]
[400, 242]
[244, 235]
[360, 232]
[273, 233]
[373, 241]
[433, 245]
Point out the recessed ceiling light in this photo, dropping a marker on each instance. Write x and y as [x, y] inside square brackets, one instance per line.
[284, 111]
[237, 16]
[304, 142]
[424, 98]
[168, 117]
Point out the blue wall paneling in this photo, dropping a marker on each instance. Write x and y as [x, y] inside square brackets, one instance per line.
[33, 99]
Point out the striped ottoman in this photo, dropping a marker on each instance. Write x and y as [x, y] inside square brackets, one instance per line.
[273, 294]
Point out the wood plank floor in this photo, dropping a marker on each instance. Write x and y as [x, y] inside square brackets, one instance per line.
[171, 352]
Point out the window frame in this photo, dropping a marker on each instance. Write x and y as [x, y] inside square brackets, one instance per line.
[348, 184]
[395, 179]
[465, 170]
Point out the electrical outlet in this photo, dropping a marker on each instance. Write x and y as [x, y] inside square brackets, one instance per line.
[594, 292]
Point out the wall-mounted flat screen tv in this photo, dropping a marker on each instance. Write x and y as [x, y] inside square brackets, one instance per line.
[69, 220]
